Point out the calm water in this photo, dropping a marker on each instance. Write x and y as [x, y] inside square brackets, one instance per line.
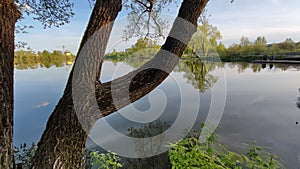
[261, 103]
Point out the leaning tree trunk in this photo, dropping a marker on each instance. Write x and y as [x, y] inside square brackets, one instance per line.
[8, 17]
[63, 143]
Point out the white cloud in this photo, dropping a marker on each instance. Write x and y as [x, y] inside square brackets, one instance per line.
[275, 19]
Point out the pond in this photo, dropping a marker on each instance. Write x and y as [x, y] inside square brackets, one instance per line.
[261, 103]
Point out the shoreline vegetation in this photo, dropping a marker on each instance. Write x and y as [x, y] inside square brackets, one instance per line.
[186, 153]
[33, 60]
[246, 51]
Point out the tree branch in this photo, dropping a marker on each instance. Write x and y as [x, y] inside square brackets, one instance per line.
[157, 24]
[143, 4]
[145, 79]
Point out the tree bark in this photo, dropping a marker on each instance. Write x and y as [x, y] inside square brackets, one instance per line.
[63, 143]
[151, 74]
[8, 17]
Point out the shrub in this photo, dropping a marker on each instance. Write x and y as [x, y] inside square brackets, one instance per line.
[189, 153]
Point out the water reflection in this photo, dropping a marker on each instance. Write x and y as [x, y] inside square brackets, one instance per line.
[261, 107]
[195, 67]
[198, 73]
[261, 102]
[149, 130]
[37, 91]
[257, 68]
[32, 60]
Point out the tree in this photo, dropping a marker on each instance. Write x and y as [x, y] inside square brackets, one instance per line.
[8, 17]
[9, 14]
[260, 41]
[298, 47]
[63, 142]
[288, 45]
[142, 43]
[245, 41]
[205, 39]
[33, 60]
[57, 153]
[274, 49]
[48, 12]
[144, 19]
[234, 49]
[260, 44]
[68, 148]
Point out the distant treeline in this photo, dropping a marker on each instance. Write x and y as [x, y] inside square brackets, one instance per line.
[244, 51]
[247, 50]
[32, 60]
[145, 49]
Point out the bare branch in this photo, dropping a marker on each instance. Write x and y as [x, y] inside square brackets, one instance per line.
[158, 26]
[141, 3]
[137, 22]
[149, 23]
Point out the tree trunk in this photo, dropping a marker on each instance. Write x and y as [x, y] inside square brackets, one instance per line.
[63, 142]
[151, 74]
[8, 17]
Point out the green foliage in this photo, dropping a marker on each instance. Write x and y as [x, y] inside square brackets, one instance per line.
[288, 45]
[32, 60]
[105, 161]
[245, 41]
[142, 44]
[191, 154]
[204, 40]
[24, 154]
[257, 158]
[248, 51]
[139, 53]
[188, 153]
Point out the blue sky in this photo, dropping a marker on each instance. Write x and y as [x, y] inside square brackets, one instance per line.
[274, 19]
